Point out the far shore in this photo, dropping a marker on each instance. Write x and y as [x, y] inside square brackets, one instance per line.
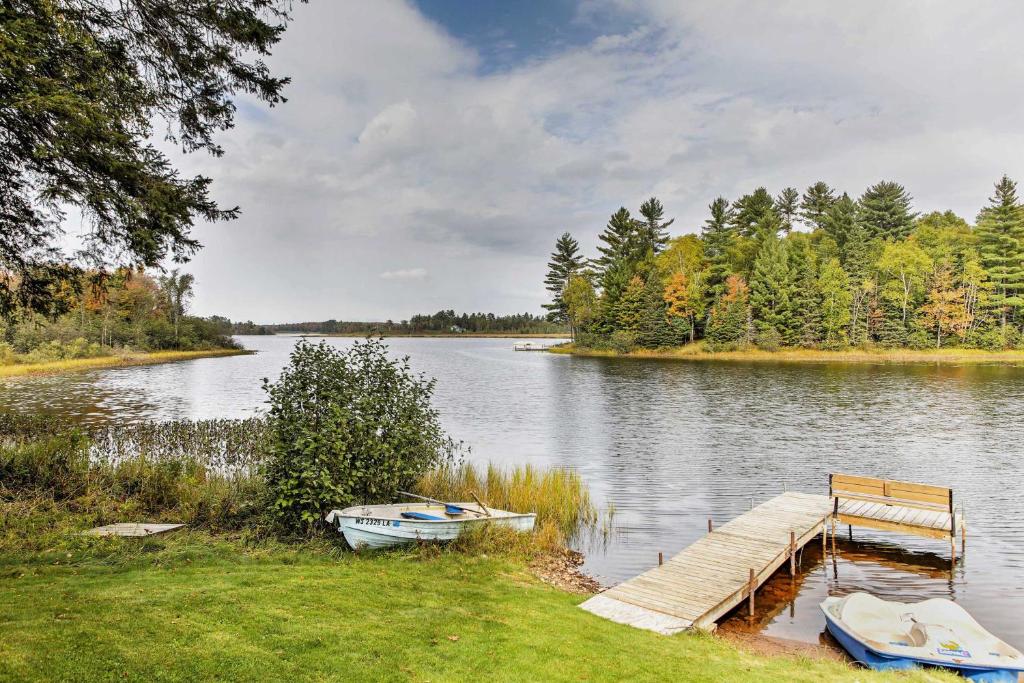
[440, 335]
[697, 352]
[115, 361]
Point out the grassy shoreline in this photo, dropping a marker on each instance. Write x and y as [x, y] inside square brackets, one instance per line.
[116, 361]
[224, 610]
[697, 352]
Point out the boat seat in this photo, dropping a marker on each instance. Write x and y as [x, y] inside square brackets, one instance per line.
[422, 516]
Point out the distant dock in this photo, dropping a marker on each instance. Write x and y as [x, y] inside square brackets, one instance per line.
[721, 570]
[530, 346]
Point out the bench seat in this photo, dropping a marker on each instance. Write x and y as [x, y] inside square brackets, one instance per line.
[890, 505]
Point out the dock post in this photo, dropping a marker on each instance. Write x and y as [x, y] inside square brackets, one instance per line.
[792, 553]
[753, 587]
[824, 541]
[710, 525]
[661, 558]
[963, 529]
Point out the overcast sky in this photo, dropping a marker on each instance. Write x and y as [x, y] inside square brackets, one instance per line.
[431, 152]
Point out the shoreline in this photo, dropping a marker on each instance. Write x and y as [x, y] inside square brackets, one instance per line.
[116, 361]
[697, 352]
[425, 335]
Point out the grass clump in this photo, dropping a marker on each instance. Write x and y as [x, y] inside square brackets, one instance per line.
[558, 496]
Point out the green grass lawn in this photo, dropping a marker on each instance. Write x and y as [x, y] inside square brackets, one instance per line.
[196, 608]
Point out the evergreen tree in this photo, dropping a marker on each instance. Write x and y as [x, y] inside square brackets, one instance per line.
[806, 302]
[652, 232]
[753, 210]
[833, 288]
[884, 210]
[565, 262]
[629, 312]
[656, 330]
[618, 241]
[771, 291]
[729, 319]
[788, 206]
[817, 200]
[718, 236]
[1000, 235]
[839, 220]
[85, 88]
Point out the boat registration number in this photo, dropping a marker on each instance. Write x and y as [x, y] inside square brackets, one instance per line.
[371, 521]
[953, 652]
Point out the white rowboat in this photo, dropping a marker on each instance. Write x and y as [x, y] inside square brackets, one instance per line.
[384, 526]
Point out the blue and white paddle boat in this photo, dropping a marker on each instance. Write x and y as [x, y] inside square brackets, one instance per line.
[895, 635]
[384, 526]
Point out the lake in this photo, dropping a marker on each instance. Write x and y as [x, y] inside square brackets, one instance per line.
[670, 444]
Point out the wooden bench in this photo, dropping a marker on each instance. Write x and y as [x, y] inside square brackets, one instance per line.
[920, 509]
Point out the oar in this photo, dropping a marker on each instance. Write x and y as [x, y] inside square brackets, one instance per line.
[450, 508]
[478, 502]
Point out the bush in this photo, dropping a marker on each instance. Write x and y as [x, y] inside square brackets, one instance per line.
[621, 341]
[769, 339]
[347, 426]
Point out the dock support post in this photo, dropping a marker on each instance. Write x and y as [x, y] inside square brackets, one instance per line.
[824, 541]
[963, 529]
[661, 558]
[711, 526]
[792, 553]
[753, 587]
[952, 548]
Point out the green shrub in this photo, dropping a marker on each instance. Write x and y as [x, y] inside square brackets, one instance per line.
[769, 339]
[622, 341]
[55, 465]
[347, 426]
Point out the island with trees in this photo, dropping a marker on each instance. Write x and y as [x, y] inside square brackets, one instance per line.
[800, 275]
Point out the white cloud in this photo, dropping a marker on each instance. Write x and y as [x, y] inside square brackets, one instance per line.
[395, 147]
[406, 274]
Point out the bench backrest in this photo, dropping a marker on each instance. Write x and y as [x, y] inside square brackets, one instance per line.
[890, 492]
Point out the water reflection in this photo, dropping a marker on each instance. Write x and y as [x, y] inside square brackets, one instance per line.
[672, 444]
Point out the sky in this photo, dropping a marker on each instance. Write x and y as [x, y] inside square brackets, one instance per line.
[431, 152]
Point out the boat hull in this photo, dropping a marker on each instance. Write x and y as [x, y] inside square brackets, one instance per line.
[371, 532]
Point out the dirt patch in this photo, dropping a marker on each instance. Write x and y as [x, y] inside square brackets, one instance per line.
[770, 646]
[562, 569]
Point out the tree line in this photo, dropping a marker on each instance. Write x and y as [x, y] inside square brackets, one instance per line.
[99, 312]
[442, 322]
[816, 269]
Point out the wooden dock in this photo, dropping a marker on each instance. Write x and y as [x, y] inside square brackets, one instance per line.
[707, 579]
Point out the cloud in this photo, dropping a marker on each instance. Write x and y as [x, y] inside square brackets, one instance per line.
[398, 145]
[406, 274]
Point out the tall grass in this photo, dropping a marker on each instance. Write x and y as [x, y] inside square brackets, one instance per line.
[558, 496]
[199, 473]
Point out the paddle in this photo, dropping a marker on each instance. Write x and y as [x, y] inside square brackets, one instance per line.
[449, 508]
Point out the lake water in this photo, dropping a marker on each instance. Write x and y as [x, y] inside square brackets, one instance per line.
[671, 444]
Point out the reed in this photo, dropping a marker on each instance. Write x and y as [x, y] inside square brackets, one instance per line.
[558, 496]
